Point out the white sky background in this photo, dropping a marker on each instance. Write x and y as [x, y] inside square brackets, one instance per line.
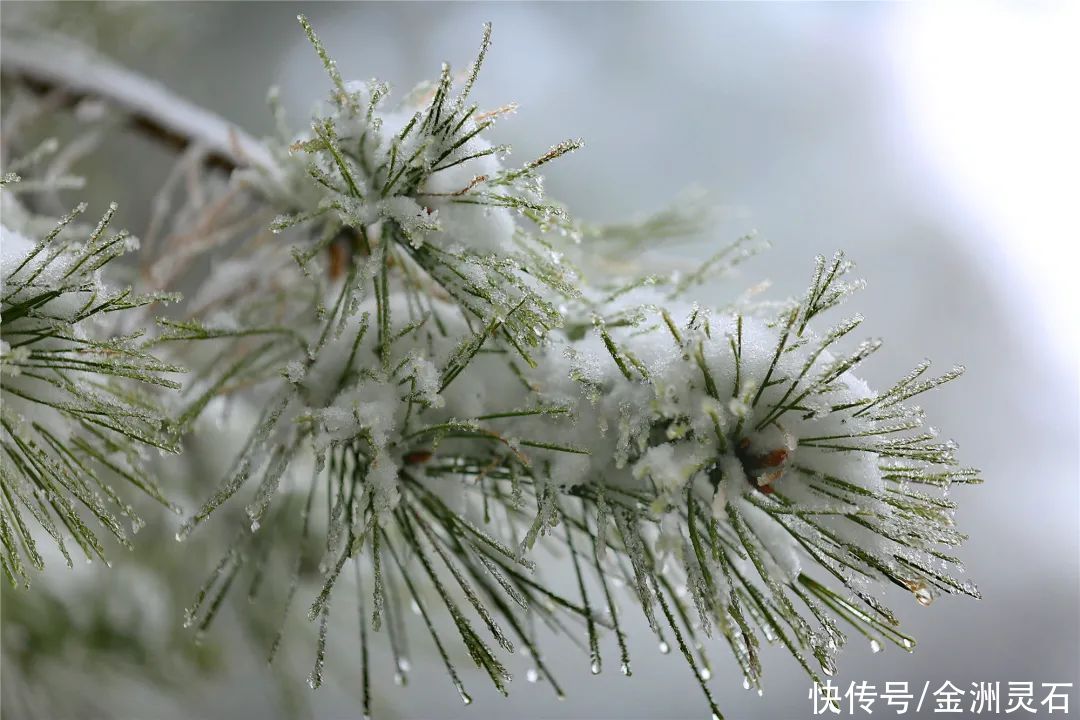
[992, 91]
[937, 143]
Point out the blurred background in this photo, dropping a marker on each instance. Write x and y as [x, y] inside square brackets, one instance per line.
[936, 144]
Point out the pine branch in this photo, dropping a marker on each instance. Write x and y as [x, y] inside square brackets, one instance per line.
[465, 396]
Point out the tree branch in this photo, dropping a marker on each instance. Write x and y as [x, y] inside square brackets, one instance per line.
[59, 64]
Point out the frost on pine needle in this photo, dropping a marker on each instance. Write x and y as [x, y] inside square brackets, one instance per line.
[444, 372]
[79, 411]
[461, 398]
[418, 186]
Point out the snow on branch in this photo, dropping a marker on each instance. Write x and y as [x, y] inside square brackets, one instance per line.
[48, 62]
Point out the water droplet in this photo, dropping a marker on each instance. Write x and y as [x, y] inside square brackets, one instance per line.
[664, 647]
[907, 643]
[404, 665]
[924, 596]
[706, 673]
[400, 679]
[875, 646]
[415, 608]
[255, 524]
[746, 683]
[532, 675]
[465, 698]
[313, 681]
[625, 667]
[595, 667]
[760, 692]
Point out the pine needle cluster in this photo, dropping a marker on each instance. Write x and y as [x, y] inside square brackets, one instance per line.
[80, 411]
[441, 382]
